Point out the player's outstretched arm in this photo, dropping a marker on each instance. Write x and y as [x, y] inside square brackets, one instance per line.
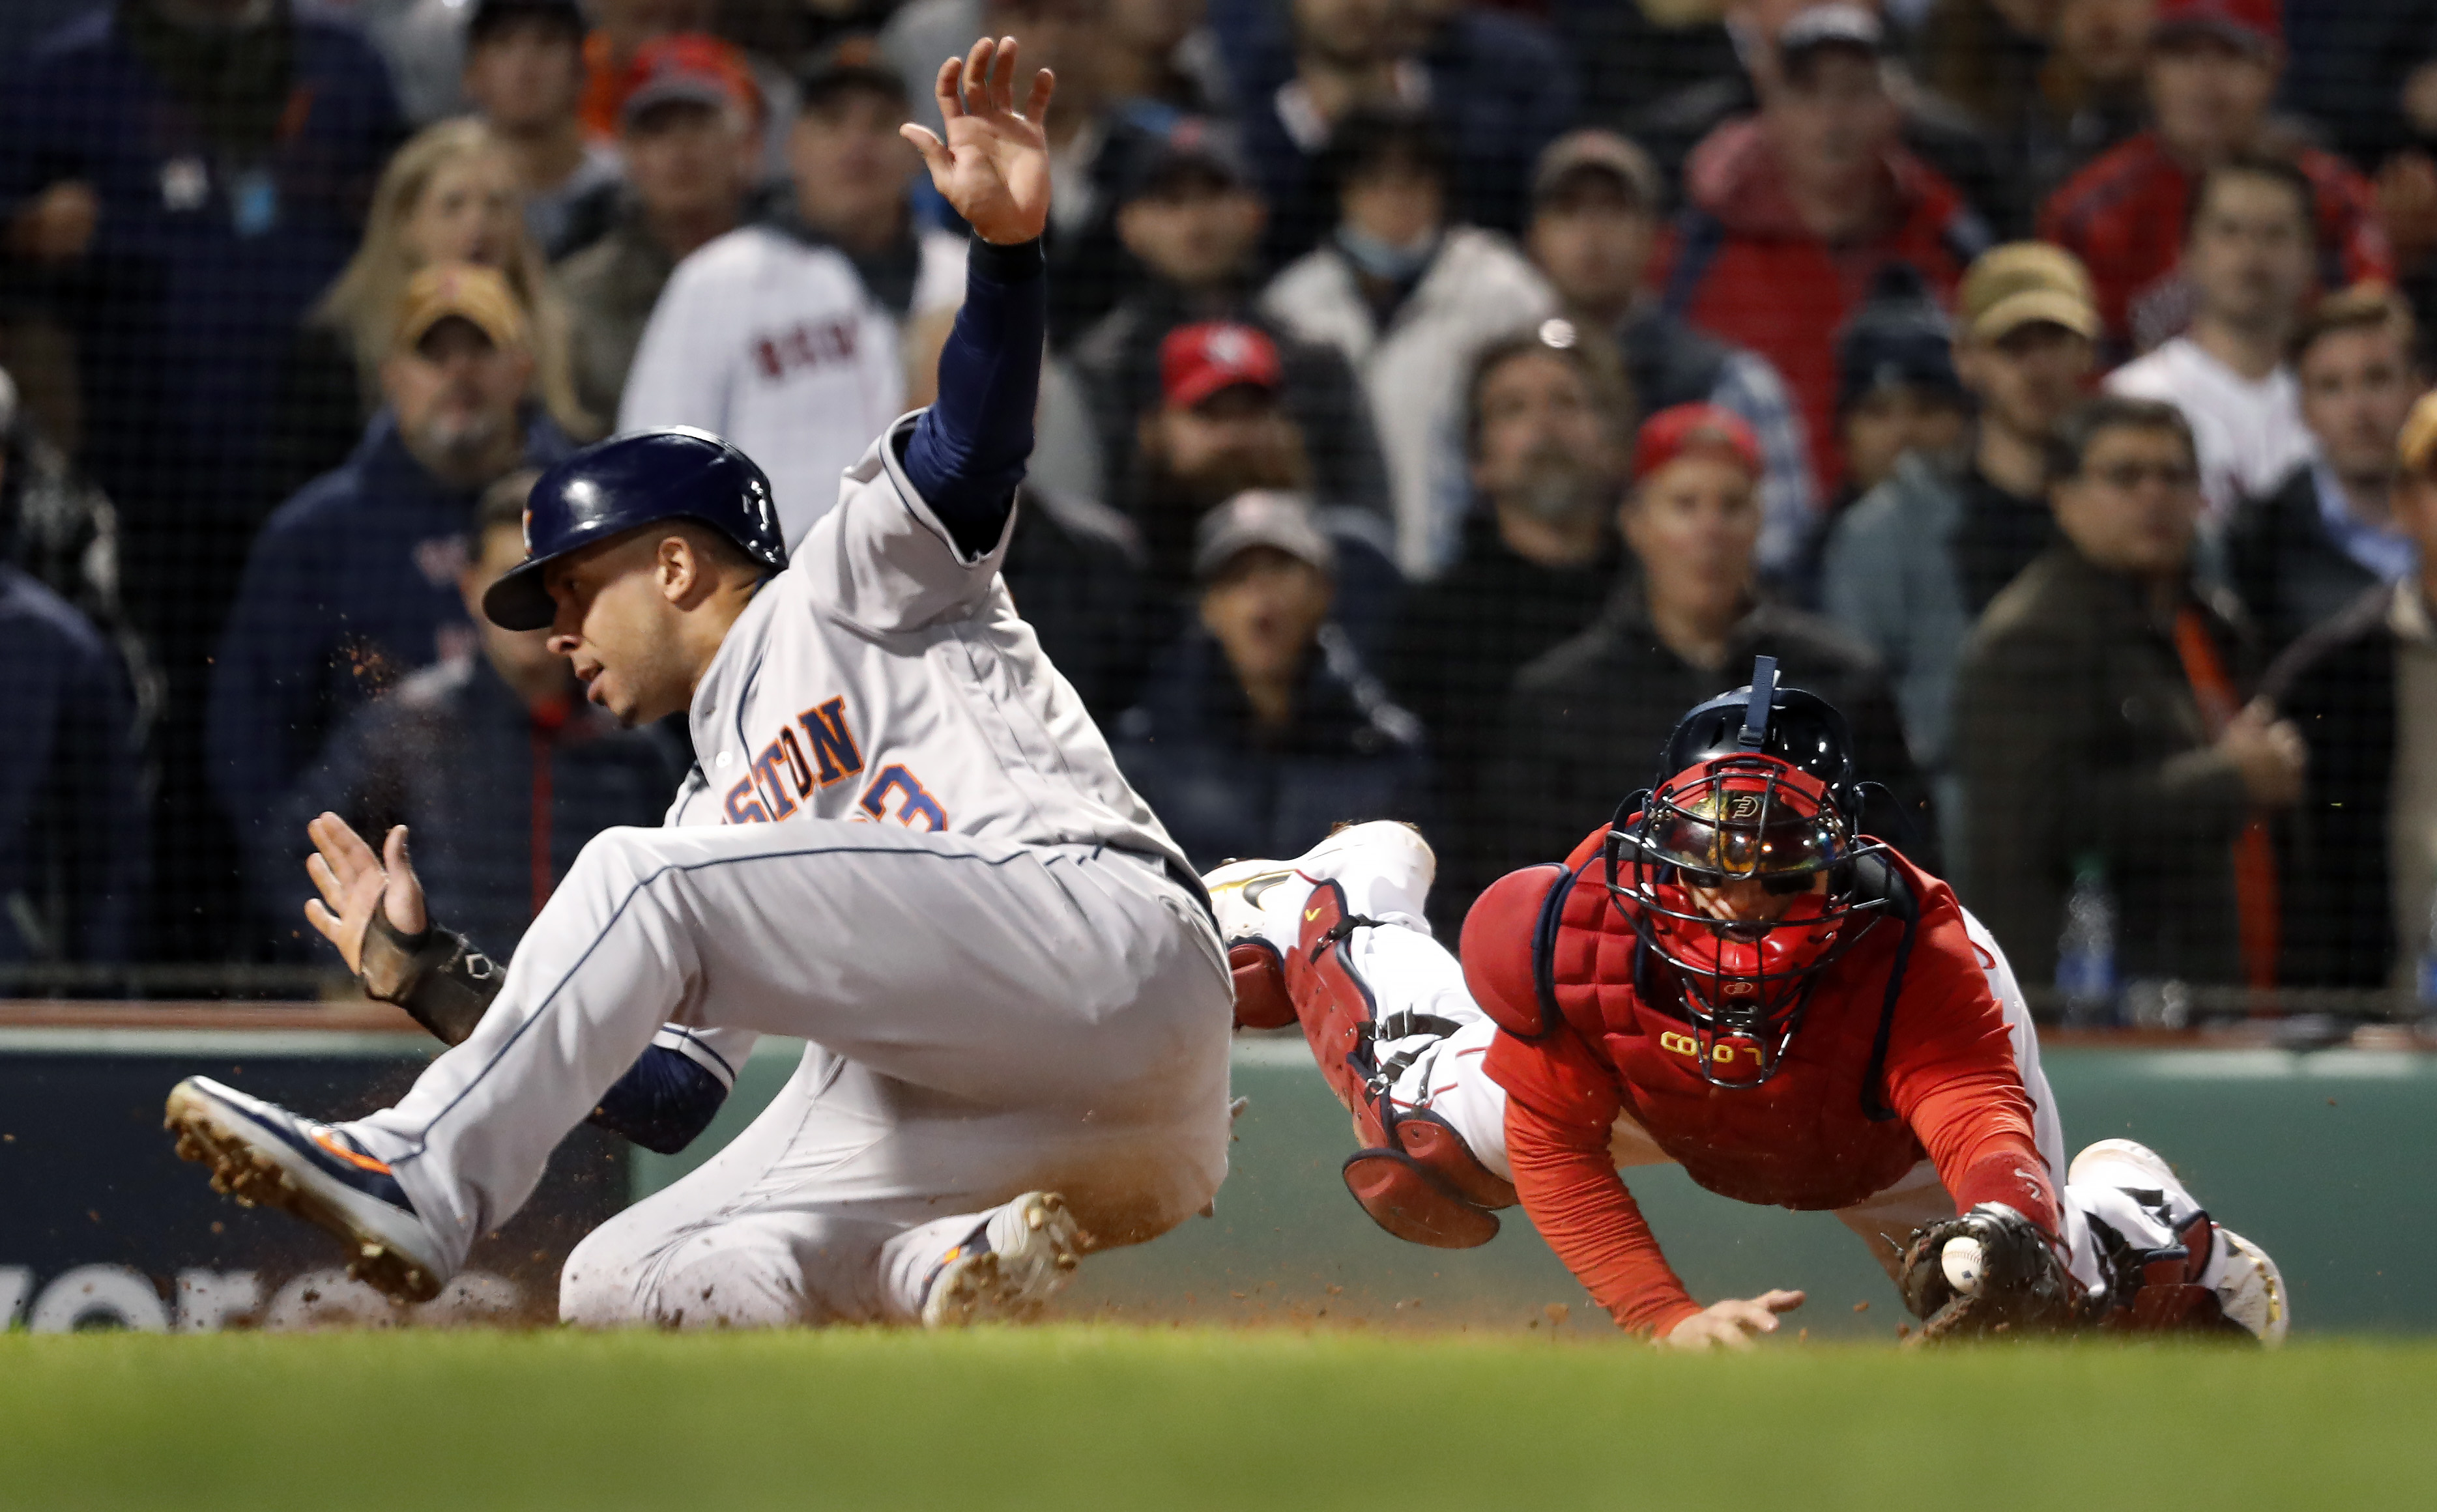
[967, 453]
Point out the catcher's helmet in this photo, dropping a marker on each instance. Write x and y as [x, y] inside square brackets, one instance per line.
[613, 486]
[1755, 786]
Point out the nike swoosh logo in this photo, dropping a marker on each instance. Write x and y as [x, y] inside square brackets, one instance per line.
[1309, 914]
[1258, 885]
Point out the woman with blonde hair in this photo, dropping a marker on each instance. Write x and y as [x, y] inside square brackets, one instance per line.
[450, 195]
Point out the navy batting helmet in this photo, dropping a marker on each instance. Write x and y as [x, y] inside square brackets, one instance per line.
[613, 486]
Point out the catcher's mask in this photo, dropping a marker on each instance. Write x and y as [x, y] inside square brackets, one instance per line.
[1737, 869]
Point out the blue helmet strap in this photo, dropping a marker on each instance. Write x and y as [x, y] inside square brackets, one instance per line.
[1764, 691]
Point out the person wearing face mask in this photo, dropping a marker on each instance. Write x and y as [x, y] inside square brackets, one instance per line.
[353, 582]
[1579, 725]
[1548, 429]
[1410, 299]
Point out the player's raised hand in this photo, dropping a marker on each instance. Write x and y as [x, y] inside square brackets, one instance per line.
[1731, 1324]
[994, 166]
[354, 882]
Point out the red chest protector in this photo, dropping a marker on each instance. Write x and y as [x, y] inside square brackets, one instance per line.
[1548, 949]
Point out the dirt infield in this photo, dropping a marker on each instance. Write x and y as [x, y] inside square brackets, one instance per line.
[1098, 1415]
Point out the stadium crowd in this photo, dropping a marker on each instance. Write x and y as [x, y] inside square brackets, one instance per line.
[1441, 398]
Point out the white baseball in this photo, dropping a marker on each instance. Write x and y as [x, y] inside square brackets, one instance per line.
[1960, 1260]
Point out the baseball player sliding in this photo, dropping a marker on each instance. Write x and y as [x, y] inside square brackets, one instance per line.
[905, 842]
[1728, 977]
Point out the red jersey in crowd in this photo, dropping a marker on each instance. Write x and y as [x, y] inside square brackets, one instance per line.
[1741, 265]
[2123, 216]
[1818, 1135]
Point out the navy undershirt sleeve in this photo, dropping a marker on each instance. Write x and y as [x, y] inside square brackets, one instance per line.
[662, 1101]
[968, 451]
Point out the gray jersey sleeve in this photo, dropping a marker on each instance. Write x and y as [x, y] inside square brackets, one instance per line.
[882, 560]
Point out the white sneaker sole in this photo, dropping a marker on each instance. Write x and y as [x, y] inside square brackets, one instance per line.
[389, 1250]
[1035, 1245]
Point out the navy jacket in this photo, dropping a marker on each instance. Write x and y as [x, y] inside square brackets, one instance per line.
[350, 587]
[72, 823]
[1226, 790]
[498, 798]
[200, 268]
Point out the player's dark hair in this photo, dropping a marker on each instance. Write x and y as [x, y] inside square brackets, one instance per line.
[2268, 165]
[2069, 447]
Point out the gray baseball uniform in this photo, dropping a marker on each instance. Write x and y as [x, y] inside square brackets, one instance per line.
[906, 843]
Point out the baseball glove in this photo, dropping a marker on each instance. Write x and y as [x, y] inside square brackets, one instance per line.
[2015, 1283]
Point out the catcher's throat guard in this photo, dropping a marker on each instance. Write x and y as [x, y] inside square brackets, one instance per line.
[1737, 870]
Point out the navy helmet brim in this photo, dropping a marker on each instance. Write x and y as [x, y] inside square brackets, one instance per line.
[518, 601]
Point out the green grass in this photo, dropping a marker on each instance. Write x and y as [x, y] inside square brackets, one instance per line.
[1088, 1415]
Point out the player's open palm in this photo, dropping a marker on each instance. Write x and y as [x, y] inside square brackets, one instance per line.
[1731, 1324]
[994, 165]
[354, 882]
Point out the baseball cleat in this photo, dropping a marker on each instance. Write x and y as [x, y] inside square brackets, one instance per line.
[263, 1154]
[1386, 866]
[1009, 1267]
[2214, 1278]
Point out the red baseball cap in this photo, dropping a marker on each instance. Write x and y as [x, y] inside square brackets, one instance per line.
[1196, 361]
[1696, 428]
[693, 68]
[2254, 24]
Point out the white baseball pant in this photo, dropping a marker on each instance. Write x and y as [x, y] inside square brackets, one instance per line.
[990, 1017]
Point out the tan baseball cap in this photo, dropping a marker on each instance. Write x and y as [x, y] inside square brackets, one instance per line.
[469, 291]
[2024, 283]
[2416, 447]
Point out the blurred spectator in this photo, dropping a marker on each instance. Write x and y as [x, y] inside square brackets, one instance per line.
[2052, 83]
[1897, 392]
[852, 172]
[1792, 216]
[179, 179]
[2212, 72]
[72, 792]
[2312, 548]
[1631, 54]
[63, 532]
[1596, 207]
[524, 76]
[2247, 263]
[1917, 560]
[1223, 427]
[1159, 51]
[449, 196]
[613, 64]
[1494, 82]
[1675, 124]
[771, 336]
[424, 43]
[2359, 879]
[353, 583]
[495, 764]
[688, 146]
[2350, 62]
[1584, 722]
[1261, 729]
[1409, 300]
[1193, 221]
[794, 33]
[2102, 725]
[1549, 427]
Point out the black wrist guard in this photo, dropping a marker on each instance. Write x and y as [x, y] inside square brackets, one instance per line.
[446, 985]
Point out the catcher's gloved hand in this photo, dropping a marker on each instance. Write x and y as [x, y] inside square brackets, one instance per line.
[1989, 1270]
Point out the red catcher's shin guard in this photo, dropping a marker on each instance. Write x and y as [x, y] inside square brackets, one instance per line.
[2171, 1298]
[1414, 1174]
